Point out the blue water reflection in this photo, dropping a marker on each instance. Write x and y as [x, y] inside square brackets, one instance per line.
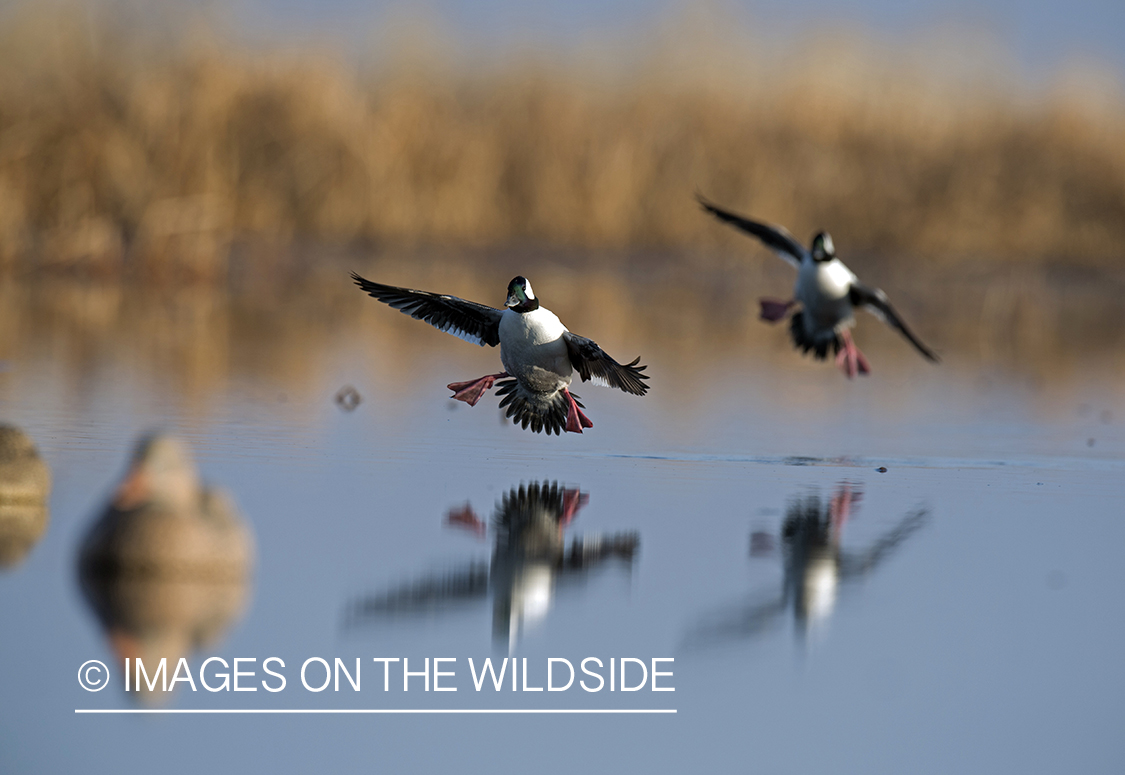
[531, 563]
[969, 597]
[817, 568]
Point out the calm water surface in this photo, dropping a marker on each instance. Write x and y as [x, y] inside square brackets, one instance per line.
[959, 612]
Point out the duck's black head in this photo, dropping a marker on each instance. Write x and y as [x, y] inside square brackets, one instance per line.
[520, 296]
[822, 247]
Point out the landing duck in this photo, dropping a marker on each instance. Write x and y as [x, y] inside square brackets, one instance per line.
[825, 298]
[539, 354]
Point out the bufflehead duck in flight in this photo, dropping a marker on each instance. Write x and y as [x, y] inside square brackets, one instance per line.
[538, 352]
[826, 295]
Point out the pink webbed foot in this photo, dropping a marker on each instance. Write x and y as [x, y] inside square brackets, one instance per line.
[575, 420]
[471, 391]
[466, 518]
[840, 507]
[849, 358]
[573, 500]
[775, 310]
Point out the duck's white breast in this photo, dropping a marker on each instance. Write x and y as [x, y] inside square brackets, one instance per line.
[532, 348]
[823, 290]
[821, 584]
[826, 281]
[539, 326]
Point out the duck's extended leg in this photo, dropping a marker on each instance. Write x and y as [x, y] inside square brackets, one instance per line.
[840, 507]
[467, 518]
[573, 500]
[575, 420]
[775, 310]
[471, 391]
[849, 358]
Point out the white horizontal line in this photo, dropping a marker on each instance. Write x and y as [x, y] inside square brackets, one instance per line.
[374, 710]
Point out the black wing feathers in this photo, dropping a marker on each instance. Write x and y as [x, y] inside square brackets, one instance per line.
[875, 302]
[592, 363]
[476, 323]
[776, 238]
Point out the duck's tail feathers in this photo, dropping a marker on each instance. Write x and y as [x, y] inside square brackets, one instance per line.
[542, 412]
[818, 345]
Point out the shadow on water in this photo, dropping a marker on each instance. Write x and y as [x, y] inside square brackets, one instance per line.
[816, 569]
[166, 567]
[531, 560]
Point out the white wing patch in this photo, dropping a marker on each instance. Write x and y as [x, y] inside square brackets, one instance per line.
[461, 333]
[600, 381]
[787, 257]
[875, 311]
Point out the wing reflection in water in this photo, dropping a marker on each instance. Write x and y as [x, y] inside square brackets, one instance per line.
[816, 568]
[166, 567]
[530, 561]
[25, 486]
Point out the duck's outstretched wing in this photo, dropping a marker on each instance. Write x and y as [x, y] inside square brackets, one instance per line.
[424, 595]
[743, 621]
[476, 323]
[861, 563]
[594, 365]
[875, 301]
[776, 238]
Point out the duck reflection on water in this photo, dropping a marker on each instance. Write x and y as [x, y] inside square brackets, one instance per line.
[166, 567]
[530, 561]
[815, 568]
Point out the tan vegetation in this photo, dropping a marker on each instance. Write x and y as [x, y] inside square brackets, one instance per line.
[292, 348]
[156, 151]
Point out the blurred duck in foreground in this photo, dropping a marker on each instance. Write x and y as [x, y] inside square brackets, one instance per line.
[538, 352]
[166, 567]
[825, 297]
[25, 486]
[530, 559]
[815, 566]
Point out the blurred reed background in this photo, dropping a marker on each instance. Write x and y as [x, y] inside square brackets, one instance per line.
[158, 149]
[180, 201]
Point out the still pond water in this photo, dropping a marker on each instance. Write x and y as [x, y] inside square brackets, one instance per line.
[958, 612]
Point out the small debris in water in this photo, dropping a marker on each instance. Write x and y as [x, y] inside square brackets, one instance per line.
[348, 398]
[882, 469]
[1089, 442]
